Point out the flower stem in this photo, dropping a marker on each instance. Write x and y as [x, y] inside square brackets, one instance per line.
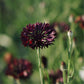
[69, 57]
[47, 76]
[64, 76]
[17, 81]
[68, 70]
[39, 65]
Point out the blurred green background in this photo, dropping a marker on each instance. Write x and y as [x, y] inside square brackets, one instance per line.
[15, 14]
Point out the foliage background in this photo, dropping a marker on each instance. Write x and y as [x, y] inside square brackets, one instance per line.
[15, 14]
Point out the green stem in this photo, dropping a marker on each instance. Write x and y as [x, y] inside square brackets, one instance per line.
[69, 58]
[48, 76]
[17, 81]
[39, 65]
[64, 76]
[68, 70]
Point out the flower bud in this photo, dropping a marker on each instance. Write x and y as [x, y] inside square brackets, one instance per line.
[62, 66]
[44, 61]
[8, 57]
[71, 18]
[70, 34]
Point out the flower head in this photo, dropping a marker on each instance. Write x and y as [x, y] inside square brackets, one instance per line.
[52, 76]
[56, 76]
[60, 26]
[38, 35]
[63, 27]
[19, 69]
[44, 61]
[59, 75]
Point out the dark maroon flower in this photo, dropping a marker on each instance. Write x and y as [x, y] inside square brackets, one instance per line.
[80, 21]
[52, 77]
[19, 69]
[55, 26]
[38, 35]
[59, 75]
[63, 27]
[56, 76]
[60, 26]
[44, 61]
